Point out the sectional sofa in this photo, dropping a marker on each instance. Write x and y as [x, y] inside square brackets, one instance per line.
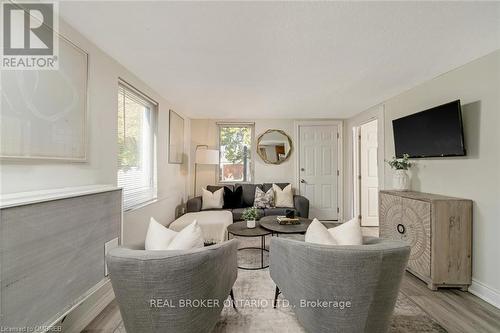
[301, 204]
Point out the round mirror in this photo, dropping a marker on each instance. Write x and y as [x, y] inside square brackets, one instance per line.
[274, 146]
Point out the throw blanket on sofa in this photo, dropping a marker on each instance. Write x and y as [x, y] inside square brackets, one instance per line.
[213, 224]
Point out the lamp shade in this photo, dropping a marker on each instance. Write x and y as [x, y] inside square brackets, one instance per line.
[207, 156]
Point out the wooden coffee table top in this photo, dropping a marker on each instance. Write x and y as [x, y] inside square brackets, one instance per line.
[240, 229]
[271, 223]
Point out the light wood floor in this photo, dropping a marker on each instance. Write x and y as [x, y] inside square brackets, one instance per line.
[456, 311]
[107, 321]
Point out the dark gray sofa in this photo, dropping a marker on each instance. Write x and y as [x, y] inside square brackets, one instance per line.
[301, 204]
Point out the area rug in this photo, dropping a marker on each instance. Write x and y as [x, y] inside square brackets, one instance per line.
[254, 291]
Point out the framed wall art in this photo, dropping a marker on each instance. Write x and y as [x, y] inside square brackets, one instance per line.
[44, 112]
[175, 138]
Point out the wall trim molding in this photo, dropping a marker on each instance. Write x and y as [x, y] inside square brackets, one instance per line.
[485, 292]
[91, 311]
[33, 197]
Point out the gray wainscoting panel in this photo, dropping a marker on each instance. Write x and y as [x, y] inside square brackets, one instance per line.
[52, 254]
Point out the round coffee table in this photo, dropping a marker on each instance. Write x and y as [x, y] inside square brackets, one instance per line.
[271, 223]
[240, 229]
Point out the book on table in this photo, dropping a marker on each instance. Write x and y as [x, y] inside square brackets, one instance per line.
[287, 220]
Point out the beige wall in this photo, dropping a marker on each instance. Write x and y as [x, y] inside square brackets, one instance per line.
[101, 167]
[476, 176]
[204, 132]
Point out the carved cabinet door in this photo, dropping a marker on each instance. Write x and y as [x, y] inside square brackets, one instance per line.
[391, 215]
[417, 220]
[408, 220]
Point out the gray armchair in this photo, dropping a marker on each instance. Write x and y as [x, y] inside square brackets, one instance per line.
[367, 276]
[148, 284]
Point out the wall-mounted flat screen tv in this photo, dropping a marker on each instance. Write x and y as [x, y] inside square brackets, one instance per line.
[435, 132]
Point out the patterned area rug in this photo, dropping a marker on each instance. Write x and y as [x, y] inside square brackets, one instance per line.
[254, 291]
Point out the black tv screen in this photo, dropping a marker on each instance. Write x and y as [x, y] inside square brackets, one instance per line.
[431, 133]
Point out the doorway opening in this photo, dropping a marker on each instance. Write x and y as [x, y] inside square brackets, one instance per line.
[366, 175]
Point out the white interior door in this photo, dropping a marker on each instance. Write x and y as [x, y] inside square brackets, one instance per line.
[369, 173]
[318, 170]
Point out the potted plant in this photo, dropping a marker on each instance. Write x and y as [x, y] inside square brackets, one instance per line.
[250, 215]
[401, 179]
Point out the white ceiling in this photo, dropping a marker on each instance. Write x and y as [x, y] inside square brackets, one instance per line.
[286, 59]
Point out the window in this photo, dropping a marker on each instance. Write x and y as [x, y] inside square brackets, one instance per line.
[136, 146]
[235, 146]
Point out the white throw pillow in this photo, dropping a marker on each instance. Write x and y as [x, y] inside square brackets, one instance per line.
[317, 233]
[348, 233]
[283, 197]
[211, 200]
[188, 238]
[158, 236]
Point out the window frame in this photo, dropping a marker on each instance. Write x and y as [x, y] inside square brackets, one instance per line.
[252, 155]
[153, 151]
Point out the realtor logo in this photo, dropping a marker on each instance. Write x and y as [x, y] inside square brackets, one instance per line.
[29, 38]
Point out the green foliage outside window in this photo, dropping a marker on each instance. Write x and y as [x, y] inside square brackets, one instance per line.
[130, 119]
[233, 139]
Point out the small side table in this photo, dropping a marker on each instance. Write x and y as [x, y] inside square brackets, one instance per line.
[240, 229]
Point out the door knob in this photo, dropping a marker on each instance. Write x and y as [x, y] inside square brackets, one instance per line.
[302, 169]
[302, 181]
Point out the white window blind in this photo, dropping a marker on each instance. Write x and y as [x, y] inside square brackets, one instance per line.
[136, 146]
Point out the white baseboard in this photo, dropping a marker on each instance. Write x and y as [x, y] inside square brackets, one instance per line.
[485, 292]
[82, 316]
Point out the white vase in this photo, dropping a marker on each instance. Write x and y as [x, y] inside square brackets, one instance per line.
[250, 224]
[401, 180]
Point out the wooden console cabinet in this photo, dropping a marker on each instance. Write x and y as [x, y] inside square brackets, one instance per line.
[439, 230]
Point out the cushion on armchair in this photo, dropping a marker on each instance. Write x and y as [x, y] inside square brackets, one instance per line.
[317, 233]
[158, 237]
[161, 238]
[348, 233]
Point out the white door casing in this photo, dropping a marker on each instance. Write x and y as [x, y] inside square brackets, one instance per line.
[356, 173]
[319, 174]
[369, 173]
